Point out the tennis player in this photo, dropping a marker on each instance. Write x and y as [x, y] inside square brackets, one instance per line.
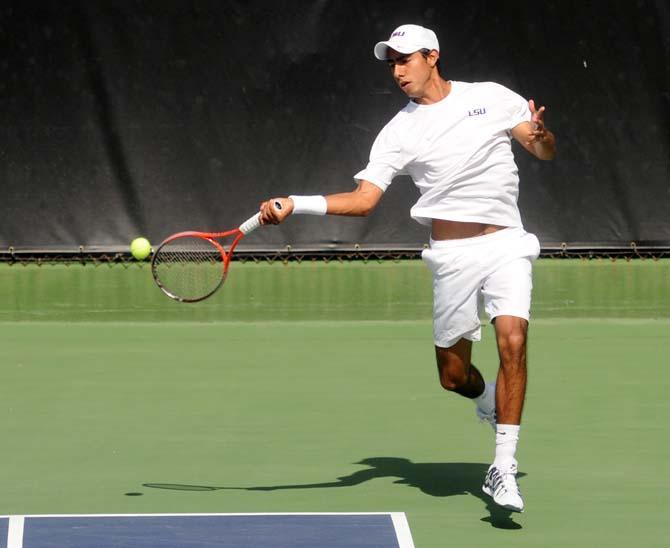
[454, 139]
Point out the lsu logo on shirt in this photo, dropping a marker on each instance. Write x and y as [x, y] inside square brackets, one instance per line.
[477, 112]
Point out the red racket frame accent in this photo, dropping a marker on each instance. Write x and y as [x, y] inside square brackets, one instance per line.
[210, 237]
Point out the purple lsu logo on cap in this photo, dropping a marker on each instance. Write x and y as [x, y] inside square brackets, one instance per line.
[398, 33]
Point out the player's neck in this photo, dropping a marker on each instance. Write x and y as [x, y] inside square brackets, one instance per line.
[436, 89]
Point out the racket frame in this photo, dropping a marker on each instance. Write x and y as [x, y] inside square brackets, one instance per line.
[211, 237]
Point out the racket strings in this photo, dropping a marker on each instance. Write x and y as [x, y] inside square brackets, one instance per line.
[189, 268]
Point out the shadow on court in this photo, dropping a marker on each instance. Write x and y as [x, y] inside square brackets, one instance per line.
[434, 479]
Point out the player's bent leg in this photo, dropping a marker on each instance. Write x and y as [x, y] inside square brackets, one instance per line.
[458, 374]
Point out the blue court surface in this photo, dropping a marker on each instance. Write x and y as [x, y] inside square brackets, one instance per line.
[366, 530]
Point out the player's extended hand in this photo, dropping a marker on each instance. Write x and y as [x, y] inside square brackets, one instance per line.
[538, 133]
[274, 211]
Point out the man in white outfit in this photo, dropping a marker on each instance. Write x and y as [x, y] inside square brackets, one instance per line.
[454, 140]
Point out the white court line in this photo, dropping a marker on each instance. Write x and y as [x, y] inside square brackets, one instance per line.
[402, 530]
[202, 514]
[15, 532]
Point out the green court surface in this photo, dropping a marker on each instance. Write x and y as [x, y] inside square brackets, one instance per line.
[312, 388]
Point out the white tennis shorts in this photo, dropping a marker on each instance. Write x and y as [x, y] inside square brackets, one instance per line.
[494, 270]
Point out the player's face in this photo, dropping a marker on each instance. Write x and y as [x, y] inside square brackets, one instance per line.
[410, 71]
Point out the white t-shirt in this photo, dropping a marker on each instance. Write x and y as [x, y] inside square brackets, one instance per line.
[458, 153]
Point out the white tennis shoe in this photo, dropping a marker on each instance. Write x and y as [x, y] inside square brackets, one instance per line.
[500, 483]
[489, 415]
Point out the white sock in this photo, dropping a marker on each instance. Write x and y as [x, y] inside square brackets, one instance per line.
[507, 436]
[486, 401]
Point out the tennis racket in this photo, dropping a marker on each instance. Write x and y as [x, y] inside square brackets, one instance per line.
[191, 266]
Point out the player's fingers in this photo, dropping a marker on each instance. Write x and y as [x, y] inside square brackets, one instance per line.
[538, 135]
[267, 214]
[263, 217]
[277, 209]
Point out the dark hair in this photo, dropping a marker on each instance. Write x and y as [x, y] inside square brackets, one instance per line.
[425, 52]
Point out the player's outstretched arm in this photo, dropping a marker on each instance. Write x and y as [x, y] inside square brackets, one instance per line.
[357, 203]
[534, 136]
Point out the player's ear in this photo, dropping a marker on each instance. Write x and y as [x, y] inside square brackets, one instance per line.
[432, 58]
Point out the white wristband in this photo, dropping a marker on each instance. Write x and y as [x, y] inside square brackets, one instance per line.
[309, 205]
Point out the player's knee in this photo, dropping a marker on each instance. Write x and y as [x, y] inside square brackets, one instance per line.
[512, 345]
[452, 378]
[453, 364]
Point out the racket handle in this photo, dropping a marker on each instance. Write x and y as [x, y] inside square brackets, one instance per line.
[251, 224]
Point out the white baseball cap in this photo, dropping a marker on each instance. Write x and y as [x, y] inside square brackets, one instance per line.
[407, 39]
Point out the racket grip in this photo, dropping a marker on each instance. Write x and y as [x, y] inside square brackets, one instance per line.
[251, 224]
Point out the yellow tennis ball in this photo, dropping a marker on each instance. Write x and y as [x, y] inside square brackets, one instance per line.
[140, 248]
